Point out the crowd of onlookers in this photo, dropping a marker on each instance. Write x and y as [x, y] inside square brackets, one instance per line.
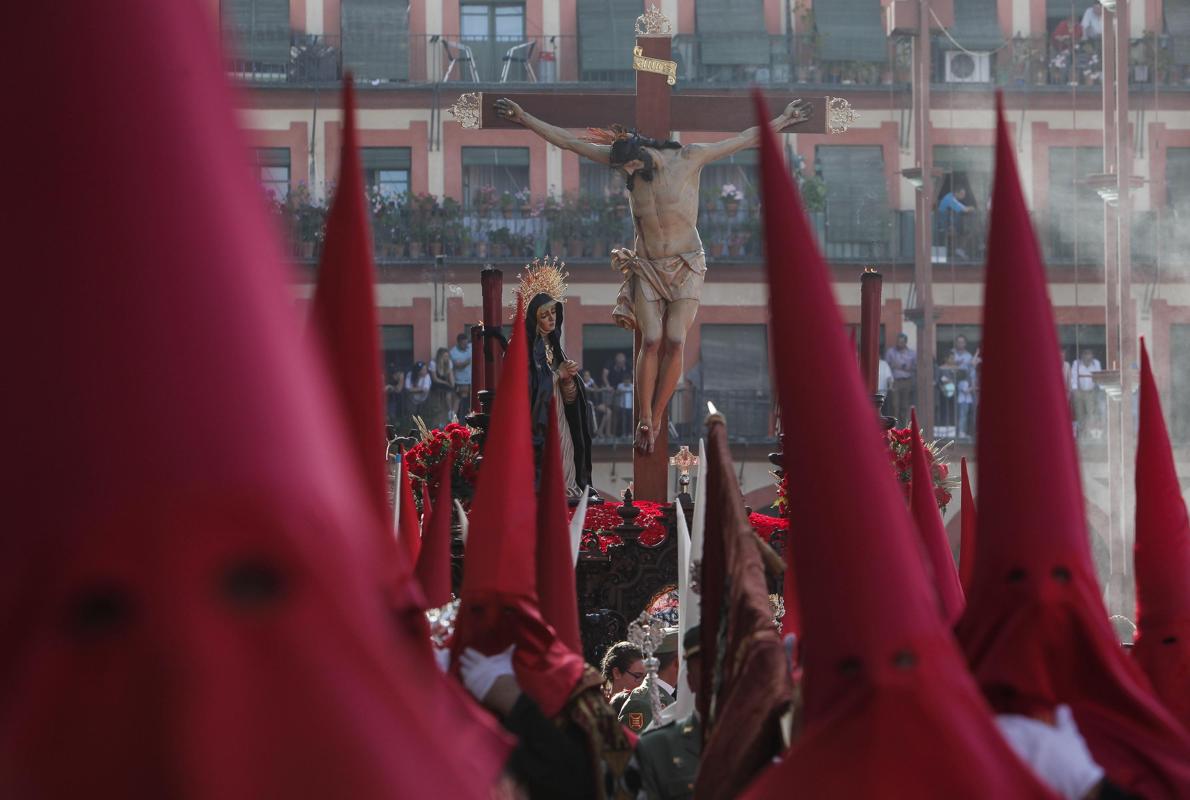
[956, 386]
[611, 397]
[436, 392]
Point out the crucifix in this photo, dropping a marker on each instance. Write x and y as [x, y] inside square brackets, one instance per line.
[664, 270]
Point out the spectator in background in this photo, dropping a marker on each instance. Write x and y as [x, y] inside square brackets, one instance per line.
[623, 670]
[394, 397]
[1085, 391]
[442, 401]
[1093, 22]
[965, 402]
[903, 363]
[460, 359]
[615, 371]
[950, 219]
[963, 358]
[417, 388]
[1066, 33]
[623, 404]
[947, 378]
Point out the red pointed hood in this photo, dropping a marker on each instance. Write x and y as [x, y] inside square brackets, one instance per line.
[888, 701]
[499, 591]
[555, 559]
[198, 612]
[924, 505]
[343, 314]
[427, 508]
[1162, 557]
[433, 563]
[1035, 631]
[966, 531]
[408, 526]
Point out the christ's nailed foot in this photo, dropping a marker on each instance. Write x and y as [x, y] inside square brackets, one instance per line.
[644, 437]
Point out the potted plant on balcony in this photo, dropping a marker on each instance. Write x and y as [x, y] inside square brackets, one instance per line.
[731, 197]
[485, 200]
[508, 202]
[524, 201]
[309, 217]
[713, 231]
[500, 242]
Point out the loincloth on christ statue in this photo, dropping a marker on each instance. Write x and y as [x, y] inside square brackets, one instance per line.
[660, 280]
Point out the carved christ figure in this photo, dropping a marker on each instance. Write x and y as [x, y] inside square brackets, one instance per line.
[664, 272]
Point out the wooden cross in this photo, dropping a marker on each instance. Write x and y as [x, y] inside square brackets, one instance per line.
[654, 111]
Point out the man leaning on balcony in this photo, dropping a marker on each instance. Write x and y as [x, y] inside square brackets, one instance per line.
[903, 362]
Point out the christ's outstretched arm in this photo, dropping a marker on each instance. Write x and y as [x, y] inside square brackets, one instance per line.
[559, 137]
[796, 112]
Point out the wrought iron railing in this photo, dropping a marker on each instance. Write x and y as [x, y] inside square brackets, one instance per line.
[260, 56]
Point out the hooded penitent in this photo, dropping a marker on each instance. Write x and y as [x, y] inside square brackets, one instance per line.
[433, 562]
[189, 597]
[343, 314]
[939, 560]
[1035, 630]
[966, 531]
[751, 682]
[499, 592]
[543, 283]
[890, 709]
[1162, 558]
[408, 526]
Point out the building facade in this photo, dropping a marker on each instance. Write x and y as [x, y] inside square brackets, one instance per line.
[448, 200]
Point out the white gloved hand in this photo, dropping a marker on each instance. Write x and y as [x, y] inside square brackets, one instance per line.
[1057, 753]
[479, 672]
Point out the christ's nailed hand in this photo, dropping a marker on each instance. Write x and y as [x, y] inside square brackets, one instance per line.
[510, 110]
[797, 111]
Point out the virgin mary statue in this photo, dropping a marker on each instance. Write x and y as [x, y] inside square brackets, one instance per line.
[554, 383]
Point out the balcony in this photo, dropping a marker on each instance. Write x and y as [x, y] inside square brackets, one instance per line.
[703, 60]
[1054, 62]
[576, 228]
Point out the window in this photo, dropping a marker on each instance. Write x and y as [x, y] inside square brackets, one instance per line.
[733, 375]
[606, 37]
[599, 180]
[1075, 216]
[375, 36]
[976, 27]
[256, 33]
[386, 169]
[1177, 25]
[966, 171]
[741, 170]
[396, 347]
[272, 168]
[1177, 178]
[851, 30]
[732, 38]
[504, 169]
[856, 193]
[1178, 408]
[601, 343]
[490, 29]
[1073, 339]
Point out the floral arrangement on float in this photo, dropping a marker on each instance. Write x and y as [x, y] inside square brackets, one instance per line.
[900, 448]
[425, 457]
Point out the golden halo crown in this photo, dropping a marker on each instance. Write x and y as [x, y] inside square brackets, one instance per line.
[543, 276]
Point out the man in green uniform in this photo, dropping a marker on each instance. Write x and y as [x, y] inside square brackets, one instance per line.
[637, 710]
[668, 756]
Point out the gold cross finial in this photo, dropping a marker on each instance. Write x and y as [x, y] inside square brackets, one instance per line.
[684, 460]
[653, 23]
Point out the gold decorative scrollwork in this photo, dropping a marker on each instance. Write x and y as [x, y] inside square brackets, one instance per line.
[466, 110]
[839, 115]
[659, 66]
[653, 23]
